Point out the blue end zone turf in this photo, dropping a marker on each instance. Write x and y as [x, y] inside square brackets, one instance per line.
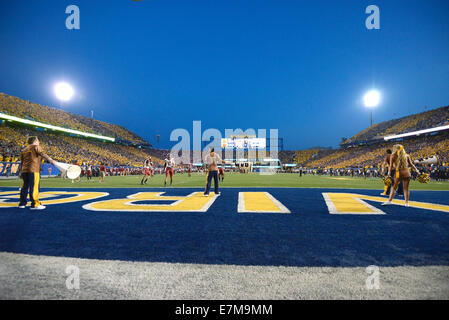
[309, 236]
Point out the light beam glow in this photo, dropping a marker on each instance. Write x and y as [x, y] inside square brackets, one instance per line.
[4, 116]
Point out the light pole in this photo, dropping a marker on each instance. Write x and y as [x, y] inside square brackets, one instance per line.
[371, 100]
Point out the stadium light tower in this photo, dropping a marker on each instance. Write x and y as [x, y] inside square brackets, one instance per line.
[63, 91]
[371, 100]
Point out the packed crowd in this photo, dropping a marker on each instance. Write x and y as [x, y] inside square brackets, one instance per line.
[303, 156]
[33, 111]
[72, 149]
[419, 148]
[436, 172]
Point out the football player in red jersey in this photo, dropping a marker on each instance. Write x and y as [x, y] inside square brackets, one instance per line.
[169, 165]
[221, 173]
[102, 172]
[147, 168]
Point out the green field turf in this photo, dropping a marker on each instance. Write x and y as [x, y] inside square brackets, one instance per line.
[231, 180]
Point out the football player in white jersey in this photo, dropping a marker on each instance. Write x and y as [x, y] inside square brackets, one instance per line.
[168, 166]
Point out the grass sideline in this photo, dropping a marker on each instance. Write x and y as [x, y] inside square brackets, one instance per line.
[232, 180]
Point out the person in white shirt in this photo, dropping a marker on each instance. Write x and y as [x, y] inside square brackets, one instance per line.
[169, 165]
[211, 161]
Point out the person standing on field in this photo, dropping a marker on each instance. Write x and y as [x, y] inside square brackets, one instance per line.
[102, 172]
[401, 161]
[211, 161]
[30, 161]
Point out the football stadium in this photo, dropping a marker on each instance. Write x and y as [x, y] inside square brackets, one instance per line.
[127, 190]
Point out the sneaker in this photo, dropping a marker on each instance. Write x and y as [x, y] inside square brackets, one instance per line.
[406, 204]
[386, 203]
[41, 207]
[22, 207]
[383, 194]
[206, 195]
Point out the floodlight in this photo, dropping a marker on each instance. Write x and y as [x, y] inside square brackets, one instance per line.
[63, 91]
[371, 99]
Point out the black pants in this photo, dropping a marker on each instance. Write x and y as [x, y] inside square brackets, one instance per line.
[210, 175]
[30, 186]
[400, 186]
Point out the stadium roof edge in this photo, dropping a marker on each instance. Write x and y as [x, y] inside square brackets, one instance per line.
[55, 128]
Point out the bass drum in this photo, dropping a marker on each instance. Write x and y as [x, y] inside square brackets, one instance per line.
[429, 160]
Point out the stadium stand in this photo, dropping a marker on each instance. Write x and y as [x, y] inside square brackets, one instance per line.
[25, 109]
[303, 156]
[72, 149]
[372, 155]
[415, 122]
[367, 148]
[63, 147]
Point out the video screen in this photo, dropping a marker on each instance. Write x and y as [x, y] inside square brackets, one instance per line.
[243, 143]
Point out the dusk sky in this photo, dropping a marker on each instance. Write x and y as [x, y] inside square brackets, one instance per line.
[298, 66]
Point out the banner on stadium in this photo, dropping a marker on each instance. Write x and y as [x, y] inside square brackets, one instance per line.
[12, 169]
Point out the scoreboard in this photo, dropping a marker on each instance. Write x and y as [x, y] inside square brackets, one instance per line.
[243, 143]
